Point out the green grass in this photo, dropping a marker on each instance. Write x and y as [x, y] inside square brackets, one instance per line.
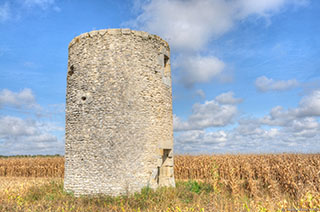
[52, 197]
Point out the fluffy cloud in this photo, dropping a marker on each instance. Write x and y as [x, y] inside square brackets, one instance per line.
[265, 84]
[309, 107]
[31, 132]
[228, 98]
[197, 140]
[209, 114]
[200, 136]
[190, 25]
[197, 69]
[24, 98]
[4, 12]
[19, 136]
[253, 136]
[278, 116]
[13, 126]
[282, 130]
[250, 135]
[295, 124]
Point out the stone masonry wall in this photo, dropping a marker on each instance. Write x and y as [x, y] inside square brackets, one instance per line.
[119, 128]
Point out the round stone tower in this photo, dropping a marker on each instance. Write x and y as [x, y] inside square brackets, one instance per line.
[119, 128]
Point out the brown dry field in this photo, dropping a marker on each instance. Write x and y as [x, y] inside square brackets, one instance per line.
[275, 173]
[266, 181]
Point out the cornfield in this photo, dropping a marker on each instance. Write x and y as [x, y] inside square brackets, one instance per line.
[264, 183]
[253, 175]
[32, 167]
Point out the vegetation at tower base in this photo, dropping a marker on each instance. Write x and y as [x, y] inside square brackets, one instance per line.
[270, 182]
[119, 123]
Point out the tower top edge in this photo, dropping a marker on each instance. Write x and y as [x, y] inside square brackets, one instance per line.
[117, 32]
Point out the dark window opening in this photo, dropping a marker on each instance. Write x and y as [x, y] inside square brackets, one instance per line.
[166, 59]
[83, 98]
[166, 66]
[165, 154]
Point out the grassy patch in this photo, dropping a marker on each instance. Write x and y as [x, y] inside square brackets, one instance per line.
[187, 196]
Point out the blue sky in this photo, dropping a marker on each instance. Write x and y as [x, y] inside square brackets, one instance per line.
[245, 73]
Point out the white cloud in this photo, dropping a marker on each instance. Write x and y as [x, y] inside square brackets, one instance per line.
[201, 137]
[250, 136]
[198, 69]
[265, 84]
[282, 130]
[248, 127]
[197, 141]
[24, 98]
[30, 133]
[190, 25]
[304, 126]
[228, 98]
[261, 7]
[295, 136]
[4, 12]
[210, 114]
[295, 126]
[14, 126]
[310, 105]
[19, 136]
[278, 116]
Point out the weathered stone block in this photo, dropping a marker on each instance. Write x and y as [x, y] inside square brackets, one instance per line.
[126, 31]
[168, 162]
[114, 31]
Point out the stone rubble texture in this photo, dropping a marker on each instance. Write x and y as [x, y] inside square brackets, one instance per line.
[119, 124]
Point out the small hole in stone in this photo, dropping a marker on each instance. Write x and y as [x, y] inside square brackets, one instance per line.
[71, 71]
[83, 98]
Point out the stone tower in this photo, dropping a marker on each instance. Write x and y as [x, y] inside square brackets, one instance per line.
[119, 128]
